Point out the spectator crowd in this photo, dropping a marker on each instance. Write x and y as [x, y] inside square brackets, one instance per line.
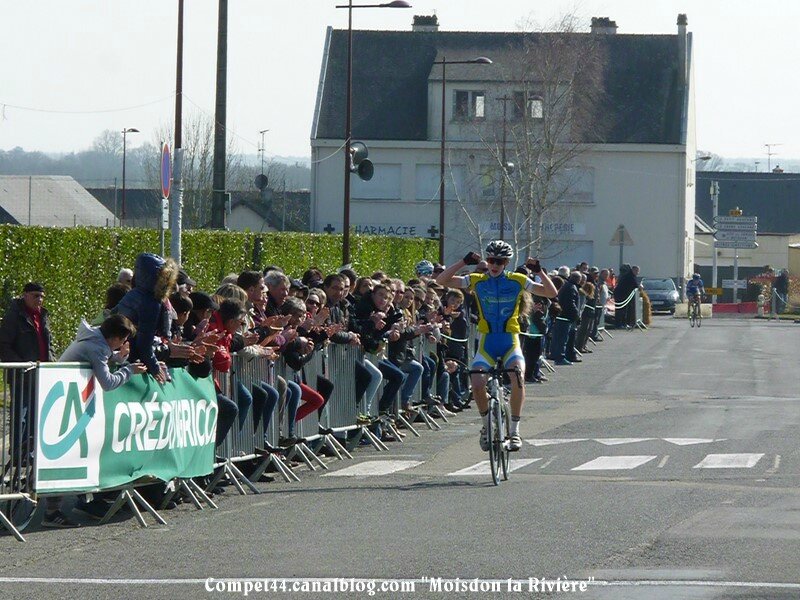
[155, 319]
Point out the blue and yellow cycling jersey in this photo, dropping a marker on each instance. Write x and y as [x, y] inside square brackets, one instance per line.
[694, 287]
[499, 300]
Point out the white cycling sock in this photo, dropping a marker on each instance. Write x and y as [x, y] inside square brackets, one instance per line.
[485, 419]
[514, 426]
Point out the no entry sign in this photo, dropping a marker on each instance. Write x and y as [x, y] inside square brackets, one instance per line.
[166, 171]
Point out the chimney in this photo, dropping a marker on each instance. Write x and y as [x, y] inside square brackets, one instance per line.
[425, 23]
[683, 51]
[604, 26]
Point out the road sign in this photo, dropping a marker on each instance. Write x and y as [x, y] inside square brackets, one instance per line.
[729, 283]
[736, 226]
[621, 237]
[713, 291]
[166, 171]
[724, 219]
[732, 244]
[165, 213]
[735, 236]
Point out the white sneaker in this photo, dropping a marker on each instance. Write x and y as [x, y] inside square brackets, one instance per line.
[514, 443]
[484, 440]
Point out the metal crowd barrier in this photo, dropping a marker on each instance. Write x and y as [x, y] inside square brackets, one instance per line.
[639, 307]
[17, 400]
[308, 428]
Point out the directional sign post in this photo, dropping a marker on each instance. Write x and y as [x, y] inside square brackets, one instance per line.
[735, 231]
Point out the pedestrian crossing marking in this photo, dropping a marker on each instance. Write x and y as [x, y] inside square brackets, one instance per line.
[372, 468]
[729, 461]
[614, 463]
[553, 442]
[483, 468]
[691, 441]
[620, 441]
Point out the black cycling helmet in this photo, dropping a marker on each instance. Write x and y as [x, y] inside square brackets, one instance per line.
[499, 249]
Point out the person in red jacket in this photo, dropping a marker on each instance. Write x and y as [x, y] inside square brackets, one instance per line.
[226, 320]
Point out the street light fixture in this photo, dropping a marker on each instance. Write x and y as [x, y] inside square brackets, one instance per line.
[125, 133]
[348, 110]
[481, 60]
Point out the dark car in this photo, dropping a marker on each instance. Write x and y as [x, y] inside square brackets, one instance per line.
[663, 294]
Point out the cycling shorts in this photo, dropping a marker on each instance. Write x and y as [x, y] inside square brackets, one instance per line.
[494, 345]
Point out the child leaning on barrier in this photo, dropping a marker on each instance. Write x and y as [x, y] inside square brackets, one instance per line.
[99, 345]
[96, 346]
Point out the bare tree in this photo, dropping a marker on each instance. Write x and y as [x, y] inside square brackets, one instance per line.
[108, 142]
[198, 159]
[553, 83]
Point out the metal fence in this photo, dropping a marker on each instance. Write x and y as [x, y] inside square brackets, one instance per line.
[17, 402]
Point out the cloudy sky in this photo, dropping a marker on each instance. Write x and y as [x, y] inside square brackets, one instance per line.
[73, 68]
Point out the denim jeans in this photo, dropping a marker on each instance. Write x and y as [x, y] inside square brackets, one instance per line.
[265, 399]
[428, 372]
[226, 416]
[369, 386]
[413, 371]
[293, 395]
[394, 379]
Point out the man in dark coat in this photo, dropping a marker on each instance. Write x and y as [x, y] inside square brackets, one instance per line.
[25, 331]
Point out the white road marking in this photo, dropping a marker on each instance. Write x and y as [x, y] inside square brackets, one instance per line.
[551, 459]
[620, 441]
[776, 465]
[614, 463]
[662, 462]
[483, 468]
[372, 468]
[553, 442]
[729, 461]
[691, 441]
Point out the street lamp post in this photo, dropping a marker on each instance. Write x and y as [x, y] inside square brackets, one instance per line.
[481, 60]
[125, 133]
[348, 114]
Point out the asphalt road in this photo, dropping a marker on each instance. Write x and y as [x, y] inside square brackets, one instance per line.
[663, 466]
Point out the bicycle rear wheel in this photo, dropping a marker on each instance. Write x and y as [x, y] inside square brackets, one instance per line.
[491, 431]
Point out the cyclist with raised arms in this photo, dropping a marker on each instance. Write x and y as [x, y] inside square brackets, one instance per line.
[694, 291]
[499, 294]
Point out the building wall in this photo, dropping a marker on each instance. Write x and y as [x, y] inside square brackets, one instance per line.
[773, 250]
[640, 186]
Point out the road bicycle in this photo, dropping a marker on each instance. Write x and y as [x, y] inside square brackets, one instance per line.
[498, 425]
[695, 314]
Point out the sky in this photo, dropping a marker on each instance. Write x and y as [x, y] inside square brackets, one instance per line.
[72, 69]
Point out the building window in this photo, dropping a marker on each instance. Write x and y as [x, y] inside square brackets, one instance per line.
[470, 105]
[528, 105]
[488, 182]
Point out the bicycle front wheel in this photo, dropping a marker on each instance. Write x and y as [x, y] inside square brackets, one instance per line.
[491, 431]
[504, 423]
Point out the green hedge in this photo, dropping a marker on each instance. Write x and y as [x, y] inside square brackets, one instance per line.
[76, 265]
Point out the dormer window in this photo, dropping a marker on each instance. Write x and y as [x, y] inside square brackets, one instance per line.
[527, 105]
[470, 105]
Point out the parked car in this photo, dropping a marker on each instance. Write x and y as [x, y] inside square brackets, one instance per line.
[663, 294]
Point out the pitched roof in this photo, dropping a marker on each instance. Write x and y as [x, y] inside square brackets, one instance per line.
[641, 102]
[772, 197]
[55, 201]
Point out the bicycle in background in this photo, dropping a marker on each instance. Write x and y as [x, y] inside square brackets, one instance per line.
[695, 314]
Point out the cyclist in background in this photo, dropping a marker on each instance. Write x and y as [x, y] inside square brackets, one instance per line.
[694, 291]
[499, 294]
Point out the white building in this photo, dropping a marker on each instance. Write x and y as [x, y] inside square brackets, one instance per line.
[633, 169]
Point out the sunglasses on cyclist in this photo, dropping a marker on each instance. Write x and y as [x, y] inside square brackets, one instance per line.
[496, 261]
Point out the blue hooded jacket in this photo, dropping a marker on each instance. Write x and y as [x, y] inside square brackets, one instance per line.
[145, 310]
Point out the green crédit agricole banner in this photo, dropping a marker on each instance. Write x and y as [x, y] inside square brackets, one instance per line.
[90, 440]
